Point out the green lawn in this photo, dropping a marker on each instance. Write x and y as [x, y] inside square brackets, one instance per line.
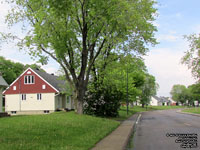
[195, 110]
[166, 107]
[123, 113]
[60, 130]
[57, 131]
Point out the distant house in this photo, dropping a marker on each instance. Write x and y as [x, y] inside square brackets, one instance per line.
[3, 84]
[161, 101]
[155, 101]
[36, 92]
[172, 102]
[165, 101]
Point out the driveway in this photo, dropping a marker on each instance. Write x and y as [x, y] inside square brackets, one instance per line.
[166, 130]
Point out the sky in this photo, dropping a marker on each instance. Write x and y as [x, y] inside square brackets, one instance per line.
[176, 18]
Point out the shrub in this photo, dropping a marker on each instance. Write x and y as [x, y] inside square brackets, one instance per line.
[104, 101]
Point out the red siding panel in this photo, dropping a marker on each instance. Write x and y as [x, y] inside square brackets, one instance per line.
[29, 88]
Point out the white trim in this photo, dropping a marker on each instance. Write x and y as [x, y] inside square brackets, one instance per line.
[31, 79]
[39, 96]
[14, 88]
[57, 94]
[43, 86]
[36, 74]
[15, 81]
[45, 80]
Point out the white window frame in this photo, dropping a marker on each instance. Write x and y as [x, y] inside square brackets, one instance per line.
[14, 88]
[43, 86]
[39, 96]
[29, 79]
[23, 97]
[29, 72]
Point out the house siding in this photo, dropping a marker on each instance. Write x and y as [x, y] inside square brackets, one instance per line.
[59, 102]
[1, 102]
[21, 87]
[14, 102]
[153, 102]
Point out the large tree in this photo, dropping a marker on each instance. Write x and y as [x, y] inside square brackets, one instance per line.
[75, 32]
[193, 93]
[149, 89]
[11, 70]
[179, 93]
[192, 56]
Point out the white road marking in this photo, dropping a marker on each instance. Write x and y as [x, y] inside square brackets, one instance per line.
[138, 118]
[187, 124]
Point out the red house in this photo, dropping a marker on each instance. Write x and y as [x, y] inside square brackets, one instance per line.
[35, 91]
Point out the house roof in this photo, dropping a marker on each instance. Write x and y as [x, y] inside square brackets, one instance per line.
[164, 99]
[161, 99]
[157, 98]
[3, 82]
[52, 79]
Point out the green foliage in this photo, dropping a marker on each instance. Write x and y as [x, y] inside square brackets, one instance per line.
[34, 66]
[179, 93]
[57, 131]
[193, 93]
[76, 32]
[148, 89]
[104, 101]
[191, 58]
[116, 72]
[11, 70]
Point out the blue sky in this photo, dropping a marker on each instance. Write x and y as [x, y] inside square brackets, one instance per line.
[175, 19]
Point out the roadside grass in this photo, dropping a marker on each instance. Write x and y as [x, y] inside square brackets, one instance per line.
[195, 110]
[123, 112]
[166, 107]
[57, 131]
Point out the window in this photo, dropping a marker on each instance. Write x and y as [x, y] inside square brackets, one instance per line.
[14, 88]
[23, 97]
[29, 80]
[39, 96]
[68, 99]
[46, 111]
[43, 86]
[13, 112]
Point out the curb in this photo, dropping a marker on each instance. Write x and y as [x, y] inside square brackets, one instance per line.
[187, 113]
[132, 129]
[119, 138]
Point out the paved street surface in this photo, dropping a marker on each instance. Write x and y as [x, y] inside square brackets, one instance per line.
[153, 127]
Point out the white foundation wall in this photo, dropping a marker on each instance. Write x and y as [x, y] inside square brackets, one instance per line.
[14, 102]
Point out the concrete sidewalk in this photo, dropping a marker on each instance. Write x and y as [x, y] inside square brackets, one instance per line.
[119, 138]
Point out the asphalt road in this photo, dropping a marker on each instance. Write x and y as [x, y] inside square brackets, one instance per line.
[153, 128]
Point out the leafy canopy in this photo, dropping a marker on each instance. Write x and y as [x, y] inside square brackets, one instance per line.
[75, 32]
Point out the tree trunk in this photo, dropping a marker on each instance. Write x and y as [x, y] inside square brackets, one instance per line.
[80, 107]
[79, 98]
[131, 104]
[142, 105]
